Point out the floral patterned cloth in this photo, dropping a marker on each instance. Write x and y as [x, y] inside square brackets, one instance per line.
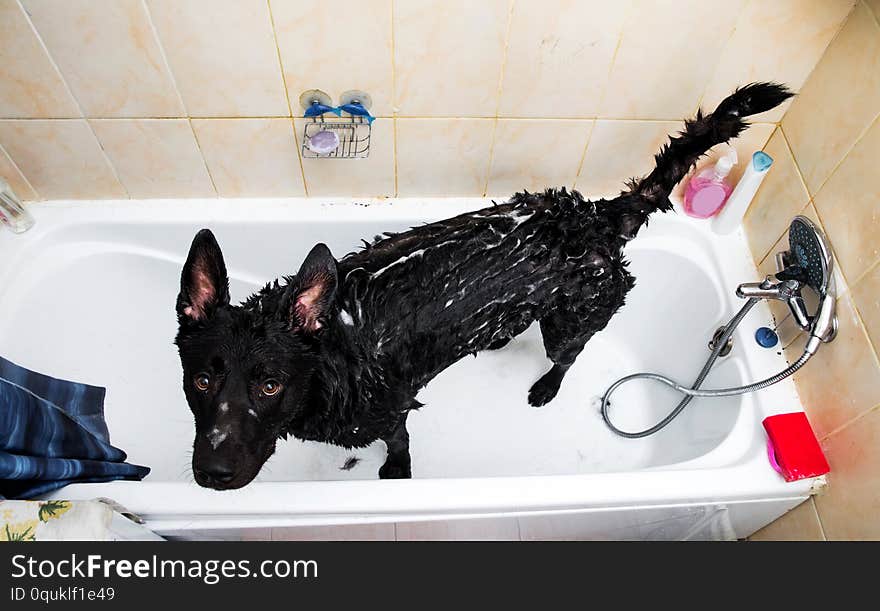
[67, 521]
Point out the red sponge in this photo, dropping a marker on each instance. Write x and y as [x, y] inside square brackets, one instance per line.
[793, 448]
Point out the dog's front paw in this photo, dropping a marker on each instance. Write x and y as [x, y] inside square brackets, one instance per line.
[543, 391]
[395, 470]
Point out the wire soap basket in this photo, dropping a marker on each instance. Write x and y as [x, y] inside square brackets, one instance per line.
[346, 135]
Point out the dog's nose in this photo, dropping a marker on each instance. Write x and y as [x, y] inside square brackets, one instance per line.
[215, 471]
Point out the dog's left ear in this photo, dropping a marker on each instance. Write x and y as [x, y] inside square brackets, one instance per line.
[313, 291]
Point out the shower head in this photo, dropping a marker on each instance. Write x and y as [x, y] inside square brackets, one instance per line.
[809, 251]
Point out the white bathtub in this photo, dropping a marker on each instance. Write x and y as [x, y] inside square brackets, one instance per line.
[88, 294]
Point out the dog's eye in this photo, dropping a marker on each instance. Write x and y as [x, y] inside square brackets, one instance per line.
[202, 381]
[270, 387]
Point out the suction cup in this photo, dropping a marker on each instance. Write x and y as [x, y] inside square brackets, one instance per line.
[809, 249]
[314, 96]
[357, 97]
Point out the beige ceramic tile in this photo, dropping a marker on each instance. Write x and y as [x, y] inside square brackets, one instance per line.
[155, 157]
[866, 294]
[109, 56]
[840, 284]
[850, 506]
[780, 310]
[30, 86]
[536, 154]
[875, 7]
[753, 139]
[842, 380]
[345, 532]
[619, 150]
[223, 56]
[251, 157]
[346, 47]
[779, 198]
[838, 101]
[849, 205]
[481, 529]
[799, 524]
[788, 332]
[667, 53]
[443, 157]
[15, 179]
[369, 177]
[60, 158]
[448, 56]
[776, 41]
[558, 57]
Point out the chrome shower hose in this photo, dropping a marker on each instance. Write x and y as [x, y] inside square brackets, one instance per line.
[694, 390]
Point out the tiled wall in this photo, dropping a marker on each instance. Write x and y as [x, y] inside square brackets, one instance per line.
[192, 98]
[828, 148]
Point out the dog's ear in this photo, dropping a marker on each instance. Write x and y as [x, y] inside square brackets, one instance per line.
[312, 291]
[204, 284]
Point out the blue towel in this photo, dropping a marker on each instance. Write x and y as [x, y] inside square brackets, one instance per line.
[52, 433]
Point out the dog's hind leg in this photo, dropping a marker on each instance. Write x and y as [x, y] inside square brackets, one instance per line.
[565, 333]
[397, 464]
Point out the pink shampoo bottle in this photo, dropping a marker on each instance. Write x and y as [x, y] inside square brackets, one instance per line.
[709, 189]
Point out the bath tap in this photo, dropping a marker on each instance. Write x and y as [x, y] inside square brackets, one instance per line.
[12, 212]
[806, 263]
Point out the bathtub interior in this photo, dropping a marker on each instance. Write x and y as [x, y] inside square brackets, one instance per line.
[95, 302]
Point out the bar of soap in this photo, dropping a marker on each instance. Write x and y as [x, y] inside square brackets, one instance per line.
[323, 142]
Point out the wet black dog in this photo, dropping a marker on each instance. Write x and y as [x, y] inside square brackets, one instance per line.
[338, 352]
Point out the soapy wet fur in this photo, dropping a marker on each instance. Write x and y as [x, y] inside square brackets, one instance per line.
[338, 352]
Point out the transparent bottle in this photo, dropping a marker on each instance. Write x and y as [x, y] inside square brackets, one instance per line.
[12, 213]
[709, 189]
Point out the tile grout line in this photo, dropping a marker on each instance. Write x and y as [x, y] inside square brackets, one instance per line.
[877, 116]
[605, 86]
[20, 173]
[499, 91]
[871, 267]
[76, 101]
[818, 517]
[721, 55]
[623, 24]
[849, 285]
[189, 122]
[870, 11]
[580, 167]
[302, 170]
[849, 150]
[852, 420]
[797, 165]
[393, 110]
[800, 177]
[840, 28]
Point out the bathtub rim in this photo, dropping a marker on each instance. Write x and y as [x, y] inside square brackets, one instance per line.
[729, 476]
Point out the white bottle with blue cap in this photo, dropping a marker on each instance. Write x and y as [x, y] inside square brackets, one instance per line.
[734, 209]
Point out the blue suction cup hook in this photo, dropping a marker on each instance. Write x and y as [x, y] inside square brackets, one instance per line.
[316, 103]
[318, 109]
[357, 103]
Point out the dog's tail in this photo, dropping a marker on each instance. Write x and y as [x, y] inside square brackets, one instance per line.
[677, 157]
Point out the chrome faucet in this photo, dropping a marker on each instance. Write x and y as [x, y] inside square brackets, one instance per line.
[12, 212]
[807, 263]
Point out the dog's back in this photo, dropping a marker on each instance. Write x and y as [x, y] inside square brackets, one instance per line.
[341, 351]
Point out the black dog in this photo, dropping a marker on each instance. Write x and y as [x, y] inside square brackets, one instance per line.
[338, 352]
